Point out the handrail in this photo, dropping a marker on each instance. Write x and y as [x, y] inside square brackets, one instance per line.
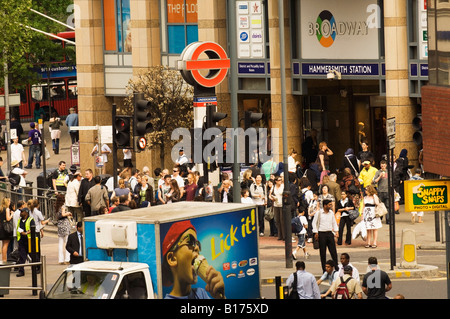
[43, 274]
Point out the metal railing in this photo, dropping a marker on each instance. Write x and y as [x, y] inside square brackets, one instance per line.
[35, 287]
[45, 196]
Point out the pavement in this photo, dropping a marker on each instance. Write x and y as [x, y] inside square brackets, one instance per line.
[272, 251]
[273, 261]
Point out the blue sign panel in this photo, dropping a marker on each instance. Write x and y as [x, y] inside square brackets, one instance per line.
[251, 68]
[424, 69]
[353, 69]
[58, 71]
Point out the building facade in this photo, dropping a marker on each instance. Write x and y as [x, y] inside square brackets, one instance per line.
[436, 95]
[375, 50]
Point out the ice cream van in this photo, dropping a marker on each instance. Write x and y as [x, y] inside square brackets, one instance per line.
[183, 250]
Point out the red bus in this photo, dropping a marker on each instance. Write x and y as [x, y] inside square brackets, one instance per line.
[63, 93]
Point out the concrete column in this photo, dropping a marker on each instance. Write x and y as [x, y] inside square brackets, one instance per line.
[145, 32]
[398, 102]
[294, 123]
[146, 52]
[93, 107]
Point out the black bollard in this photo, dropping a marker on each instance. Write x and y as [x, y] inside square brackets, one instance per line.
[32, 250]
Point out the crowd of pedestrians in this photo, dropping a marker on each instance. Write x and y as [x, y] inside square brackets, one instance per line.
[325, 205]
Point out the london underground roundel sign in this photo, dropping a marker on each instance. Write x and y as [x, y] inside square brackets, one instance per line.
[194, 69]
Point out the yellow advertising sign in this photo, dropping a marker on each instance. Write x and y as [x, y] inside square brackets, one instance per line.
[427, 195]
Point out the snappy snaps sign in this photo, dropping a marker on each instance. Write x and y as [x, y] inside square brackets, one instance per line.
[427, 195]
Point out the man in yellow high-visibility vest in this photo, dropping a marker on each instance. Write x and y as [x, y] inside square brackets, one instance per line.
[23, 237]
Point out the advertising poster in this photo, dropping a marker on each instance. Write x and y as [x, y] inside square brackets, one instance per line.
[250, 28]
[228, 242]
[427, 195]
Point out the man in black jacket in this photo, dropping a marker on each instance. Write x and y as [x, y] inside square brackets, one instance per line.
[75, 245]
[123, 204]
[85, 185]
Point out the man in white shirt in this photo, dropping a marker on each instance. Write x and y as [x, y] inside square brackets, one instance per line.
[345, 261]
[72, 204]
[179, 179]
[182, 158]
[325, 230]
[18, 153]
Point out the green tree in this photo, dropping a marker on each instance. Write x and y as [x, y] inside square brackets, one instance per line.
[28, 47]
[171, 104]
[15, 38]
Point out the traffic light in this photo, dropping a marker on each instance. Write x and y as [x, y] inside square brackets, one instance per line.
[213, 117]
[123, 131]
[142, 117]
[251, 144]
[417, 125]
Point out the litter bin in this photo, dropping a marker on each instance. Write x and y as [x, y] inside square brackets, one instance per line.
[41, 181]
[4, 277]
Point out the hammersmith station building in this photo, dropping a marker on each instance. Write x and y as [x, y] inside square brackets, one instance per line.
[376, 52]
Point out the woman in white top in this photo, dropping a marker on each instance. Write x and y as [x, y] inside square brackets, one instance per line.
[258, 194]
[292, 163]
[276, 195]
[372, 222]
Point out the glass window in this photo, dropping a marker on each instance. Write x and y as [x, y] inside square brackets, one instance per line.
[39, 92]
[133, 286]
[58, 90]
[182, 28]
[116, 21]
[73, 89]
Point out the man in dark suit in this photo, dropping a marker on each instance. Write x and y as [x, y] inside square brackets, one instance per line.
[75, 245]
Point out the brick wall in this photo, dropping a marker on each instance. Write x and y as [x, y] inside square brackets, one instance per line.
[436, 129]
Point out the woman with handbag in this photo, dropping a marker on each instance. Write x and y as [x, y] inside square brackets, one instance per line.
[64, 229]
[370, 218]
[276, 195]
[323, 160]
[6, 228]
[268, 213]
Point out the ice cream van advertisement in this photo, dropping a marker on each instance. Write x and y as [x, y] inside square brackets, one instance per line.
[211, 257]
[427, 195]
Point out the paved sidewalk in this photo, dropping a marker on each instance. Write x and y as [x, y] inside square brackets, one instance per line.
[272, 251]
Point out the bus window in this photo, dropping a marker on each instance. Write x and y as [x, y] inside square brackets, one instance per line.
[39, 92]
[58, 90]
[73, 89]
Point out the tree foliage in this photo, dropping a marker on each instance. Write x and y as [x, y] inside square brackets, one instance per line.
[14, 39]
[27, 47]
[171, 101]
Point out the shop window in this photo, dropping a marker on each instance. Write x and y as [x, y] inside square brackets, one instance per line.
[182, 27]
[116, 20]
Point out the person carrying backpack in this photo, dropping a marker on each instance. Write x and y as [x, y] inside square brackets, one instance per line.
[307, 286]
[299, 225]
[17, 178]
[346, 287]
